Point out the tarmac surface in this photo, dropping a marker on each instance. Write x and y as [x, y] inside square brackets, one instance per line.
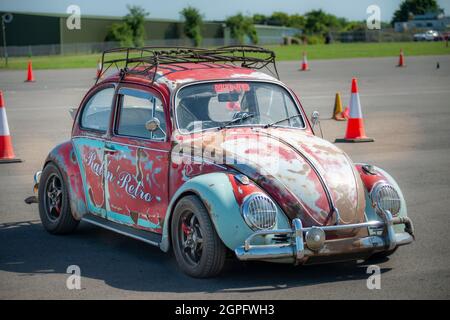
[406, 111]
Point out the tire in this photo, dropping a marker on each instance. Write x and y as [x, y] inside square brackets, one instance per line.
[201, 259]
[54, 207]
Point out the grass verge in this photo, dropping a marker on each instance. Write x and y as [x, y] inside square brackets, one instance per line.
[294, 52]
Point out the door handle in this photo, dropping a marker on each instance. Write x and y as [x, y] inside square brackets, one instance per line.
[109, 149]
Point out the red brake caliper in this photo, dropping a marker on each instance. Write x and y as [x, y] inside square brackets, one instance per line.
[185, 228]
[58, 207]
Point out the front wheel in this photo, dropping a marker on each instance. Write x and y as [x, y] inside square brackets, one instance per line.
[54, 207]
[198, 249]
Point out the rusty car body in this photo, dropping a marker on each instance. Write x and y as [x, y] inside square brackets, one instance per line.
[199, 151]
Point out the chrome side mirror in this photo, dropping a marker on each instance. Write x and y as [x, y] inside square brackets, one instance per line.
[315, 118]
[316, 121]
[152, 124]
[73, 113]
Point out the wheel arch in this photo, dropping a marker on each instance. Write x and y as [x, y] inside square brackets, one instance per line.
[63, 157]
[215, 192]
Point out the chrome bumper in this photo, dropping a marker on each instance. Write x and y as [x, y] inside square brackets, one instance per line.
[36, 178]
[34, 199]
[299, 249]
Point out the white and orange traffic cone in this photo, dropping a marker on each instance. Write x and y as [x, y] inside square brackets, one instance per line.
[30, 76]
[401, 59]
[304, 66]
[355, 126]
[6, 149]
[99, 70]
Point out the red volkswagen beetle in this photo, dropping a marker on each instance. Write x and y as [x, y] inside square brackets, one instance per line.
[198, 151]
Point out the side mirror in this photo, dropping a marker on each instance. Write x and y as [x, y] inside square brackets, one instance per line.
[152, 124]
[315, 118]
[316, 121]
[73, 112]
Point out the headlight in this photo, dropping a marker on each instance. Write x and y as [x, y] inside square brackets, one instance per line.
[385, 197]
[259, 211]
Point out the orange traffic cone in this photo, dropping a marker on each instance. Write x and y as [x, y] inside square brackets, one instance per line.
[401, 59]
[304, 66]
[346, 112]
[30, 76]
[337, 112]
[355, 126]
[6, 148]
[99, 70]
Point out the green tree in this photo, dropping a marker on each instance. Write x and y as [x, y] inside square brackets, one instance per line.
[355, 26]
[130, 32]
[259, 19]
[297, 21]
[317, 21]
[192, 24]
[414, 7]
[122, 33]
[135, 19]
[278, 19]
[241, 26]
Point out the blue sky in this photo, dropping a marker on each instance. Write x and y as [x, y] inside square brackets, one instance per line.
[212, 9]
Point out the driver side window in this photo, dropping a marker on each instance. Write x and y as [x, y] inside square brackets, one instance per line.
[135, 110]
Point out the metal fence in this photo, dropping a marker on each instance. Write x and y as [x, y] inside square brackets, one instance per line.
[372, 36]
[96, 47]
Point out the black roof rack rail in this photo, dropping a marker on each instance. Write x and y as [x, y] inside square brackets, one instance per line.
[143, 59]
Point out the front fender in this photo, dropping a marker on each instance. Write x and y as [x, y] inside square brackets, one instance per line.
[369, 181]
[63, 156]
[214, 189]
[217, 194]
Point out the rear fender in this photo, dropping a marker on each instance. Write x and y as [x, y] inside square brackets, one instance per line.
[63, 156]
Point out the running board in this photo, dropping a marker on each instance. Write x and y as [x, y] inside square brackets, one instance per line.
[138, 234]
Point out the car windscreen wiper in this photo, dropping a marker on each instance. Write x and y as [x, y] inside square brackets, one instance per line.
[282, 120]
[241, 118]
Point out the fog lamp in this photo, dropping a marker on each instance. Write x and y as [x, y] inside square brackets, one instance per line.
[315, 238]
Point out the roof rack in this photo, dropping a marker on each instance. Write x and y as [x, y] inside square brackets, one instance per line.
[144, 59]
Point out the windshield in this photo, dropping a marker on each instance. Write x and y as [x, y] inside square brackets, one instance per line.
[229, 104]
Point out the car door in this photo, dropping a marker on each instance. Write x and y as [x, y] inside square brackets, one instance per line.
[89, 143]
[136, 182]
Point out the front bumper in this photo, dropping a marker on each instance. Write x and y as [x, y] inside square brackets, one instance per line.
[301, 250]
[36, 178]
[34, 199]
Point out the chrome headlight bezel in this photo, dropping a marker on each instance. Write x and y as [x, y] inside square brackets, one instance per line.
[259, 201]
[385, 196]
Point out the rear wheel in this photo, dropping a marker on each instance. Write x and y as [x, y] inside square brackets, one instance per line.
[54, 208]
[198, 249]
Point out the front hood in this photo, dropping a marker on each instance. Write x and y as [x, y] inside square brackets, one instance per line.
[306, 175]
